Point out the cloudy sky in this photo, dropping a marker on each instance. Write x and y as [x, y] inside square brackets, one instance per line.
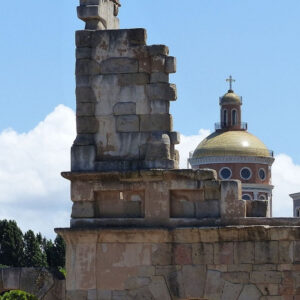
[255, 41]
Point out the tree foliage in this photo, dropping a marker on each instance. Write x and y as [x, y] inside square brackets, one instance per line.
[34, 256]
[11, 244]
[29, 249]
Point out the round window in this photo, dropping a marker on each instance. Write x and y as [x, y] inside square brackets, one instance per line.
[225, 173]
[246, 197]
[262, 174]
[246, 173]
[262, 197]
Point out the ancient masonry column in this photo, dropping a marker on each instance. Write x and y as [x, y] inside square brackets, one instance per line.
[123, 94]
[124, 166]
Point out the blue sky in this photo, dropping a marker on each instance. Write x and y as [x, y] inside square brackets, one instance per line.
[255, 41]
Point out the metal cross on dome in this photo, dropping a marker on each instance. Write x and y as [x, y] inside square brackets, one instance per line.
[230, 80]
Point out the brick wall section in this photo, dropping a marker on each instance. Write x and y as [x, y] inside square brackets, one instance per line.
[251, 262]
[123, 97]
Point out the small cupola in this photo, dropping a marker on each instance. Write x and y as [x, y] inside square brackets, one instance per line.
[230, 114]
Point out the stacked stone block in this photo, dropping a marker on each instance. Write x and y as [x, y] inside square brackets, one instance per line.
[123, 97]
[227, 263]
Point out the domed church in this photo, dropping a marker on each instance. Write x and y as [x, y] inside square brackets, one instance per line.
[235, 153]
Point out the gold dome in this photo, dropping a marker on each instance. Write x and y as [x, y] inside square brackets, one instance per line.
[231, 143]
[230, 98]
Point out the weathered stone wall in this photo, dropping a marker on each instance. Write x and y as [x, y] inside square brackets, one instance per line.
[123, 94]
[36, 281]
[152, 198]
[229, 263]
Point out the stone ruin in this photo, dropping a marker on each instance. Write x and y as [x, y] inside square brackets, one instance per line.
[141, 228]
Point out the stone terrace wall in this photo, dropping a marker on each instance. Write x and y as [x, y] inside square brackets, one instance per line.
[36, 281]
[123, 94]
[244, 263]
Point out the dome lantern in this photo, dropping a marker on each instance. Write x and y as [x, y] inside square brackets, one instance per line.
[230, 113]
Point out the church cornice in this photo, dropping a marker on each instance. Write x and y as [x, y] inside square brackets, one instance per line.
[230, 159]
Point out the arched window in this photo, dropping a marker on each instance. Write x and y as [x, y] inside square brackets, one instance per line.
[246, 197]
[225, 117]
[298, 212]
[262, 197]
[233, 117]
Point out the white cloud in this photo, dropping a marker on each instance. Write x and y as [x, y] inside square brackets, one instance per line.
[286, 179]
[35, 195]
[189, 144]
[32, 191]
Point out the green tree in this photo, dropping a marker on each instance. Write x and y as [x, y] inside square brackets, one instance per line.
[33, 254]
[11, 244]
[55, 252]
[59, 252]
[17, 295]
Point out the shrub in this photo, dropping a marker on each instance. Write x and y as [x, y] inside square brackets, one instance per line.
[18, 295]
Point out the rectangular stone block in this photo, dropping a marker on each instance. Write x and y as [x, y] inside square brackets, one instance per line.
[154, 50]
[83, 158]
[286, 252]
[174, 137]
[182, 254]
[133, 79]
[83, 81]
[76, 295]
[236, 277]
[124, 108]
[83, 38]
[265, 277]
[223, 253]
[119, 65]
[161, 254]
[158, 63]
[83, 210]
[203, 254]
[266, 252]
[161, 91]
[84, 139]
[83, 53]
[85, 109]
[85, 94]
[193, 281]
[297, 251]
[137, 36]
[82, 191]
[128, 123]
[170, 64]
[159, 77]
[87, 124]
[157, 122]
[145, 65]
[87, 67]
[158, 107]
[244, 253]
